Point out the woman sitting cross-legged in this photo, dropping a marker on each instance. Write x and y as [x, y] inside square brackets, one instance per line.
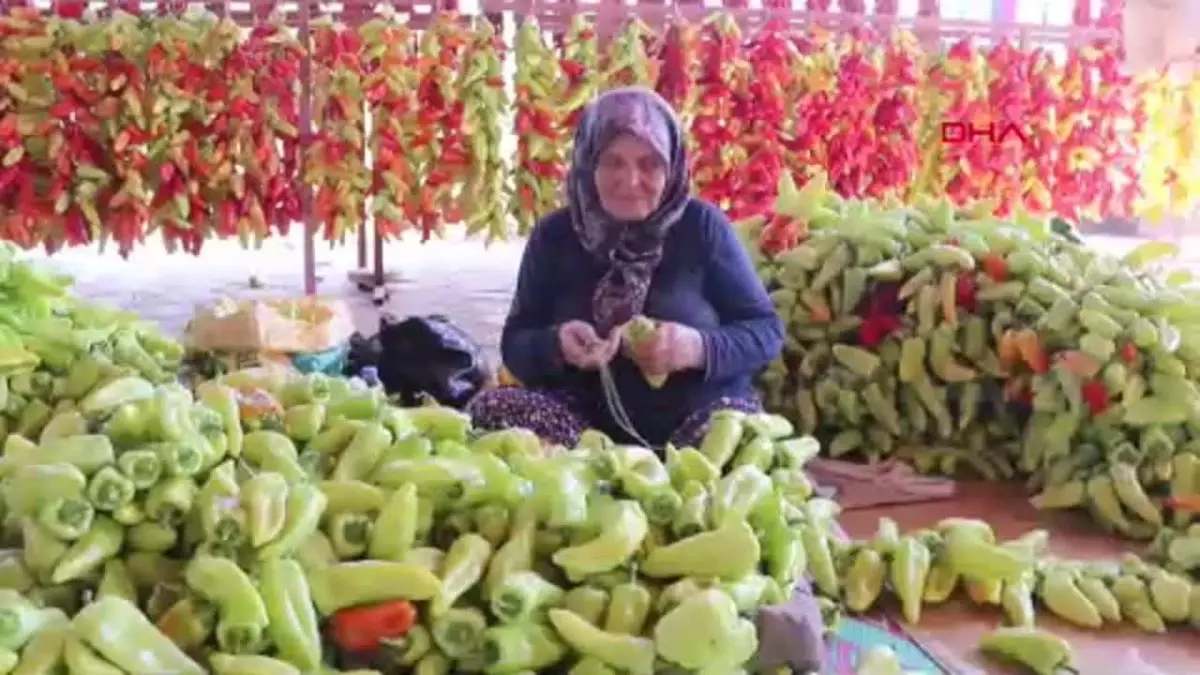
[632, 242]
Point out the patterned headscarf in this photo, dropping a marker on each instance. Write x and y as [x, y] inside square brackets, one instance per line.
[631, 250]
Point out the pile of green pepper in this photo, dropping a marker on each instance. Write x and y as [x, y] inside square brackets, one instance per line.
[236, 527]
[962, 341]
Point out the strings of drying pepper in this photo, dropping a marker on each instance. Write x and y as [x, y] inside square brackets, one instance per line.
[715, 133]
[538, 170]
[485, 105]
[579, 58]
[335, 162]
[390, 84]
[627, 62]
[438, 149]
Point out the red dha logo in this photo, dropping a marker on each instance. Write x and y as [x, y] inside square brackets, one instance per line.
[956, 133]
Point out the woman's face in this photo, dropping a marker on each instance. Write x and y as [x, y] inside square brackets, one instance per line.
[630, 178]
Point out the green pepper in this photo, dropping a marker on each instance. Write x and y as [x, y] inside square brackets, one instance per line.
[558, 490]
[250, 664]
[492, 522]
[81, 659]
[687, 465]
[350, 534]
[754, 591]
[44, 651]
[143, 468]
[590, 665]
[405, 651]
[189, 622]
[152, 536]
[908, 571]
[304, 389]
[359, 405]
[440, 423]
[433, 663]
[365, 582]
[499, 485]
[627, 653]
[352, 496]
[360, 457]
[722, 437]
[739, 493]
[272, 451]
[458, 632]
[302, 423]
[438, 478]
[648, 481]
[1041, 652]
[625, 528]
[728, 552]
[68, 519]
[90, 552]
[64, 424]
[513, 648]
[704, 632]
[242, 615]
[693, 517]
[116, 580]
[184, 457]
[14, 575]
[464, 566]
[222, 399]
[109, 490]
[521, 595]
[264, 499]
[333, 440]
[516, 554]
[20, 619]
[628, 608]
[292, 625]
[305, 504]
[587, 602]
[395, 530]
[119, 632]
[865, 579]
[33, 418]
[171, 500]
[31, 486]
[408, 447]
[88, 453]
[41, 549]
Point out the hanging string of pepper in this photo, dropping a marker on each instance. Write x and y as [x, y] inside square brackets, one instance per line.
[715, 129]
[336, 163]
[390, 84]
[580, 62]
[538, 171]
[1170, 169]
[761, 104]
[438, 147]
[678, 56]
[483, 200]
[627, 61]
[274, 55]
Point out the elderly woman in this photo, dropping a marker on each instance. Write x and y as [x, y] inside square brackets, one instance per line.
[632, 242]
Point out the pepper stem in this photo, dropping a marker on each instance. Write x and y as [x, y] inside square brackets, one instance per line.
[238, 639]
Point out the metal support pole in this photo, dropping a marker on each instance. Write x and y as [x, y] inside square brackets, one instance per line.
[306, 194]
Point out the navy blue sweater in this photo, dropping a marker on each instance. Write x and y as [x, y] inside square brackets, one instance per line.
[705, 280]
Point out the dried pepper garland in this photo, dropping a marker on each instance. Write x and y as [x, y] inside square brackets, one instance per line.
[715, 128]
[336, 162]
[438, 146]
[627, 61]
[538, 170]
[485, 106]
[678, 57]
[580, 62]
[390, 84]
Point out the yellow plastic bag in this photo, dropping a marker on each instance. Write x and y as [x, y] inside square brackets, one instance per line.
[305, 325]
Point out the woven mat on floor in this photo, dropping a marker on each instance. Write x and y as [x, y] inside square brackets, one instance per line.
[864, 486]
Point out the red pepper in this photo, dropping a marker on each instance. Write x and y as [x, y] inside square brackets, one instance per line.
[359, 629]
[1096, 395]
[995, 266]
[1129, 353]
[967, 288]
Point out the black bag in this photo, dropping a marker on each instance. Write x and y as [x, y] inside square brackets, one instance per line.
[428, 355]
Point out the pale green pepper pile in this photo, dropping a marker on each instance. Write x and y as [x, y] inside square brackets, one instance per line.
[967, 343]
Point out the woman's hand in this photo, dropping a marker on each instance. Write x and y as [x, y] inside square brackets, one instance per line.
[674, 348]
[583, 348]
